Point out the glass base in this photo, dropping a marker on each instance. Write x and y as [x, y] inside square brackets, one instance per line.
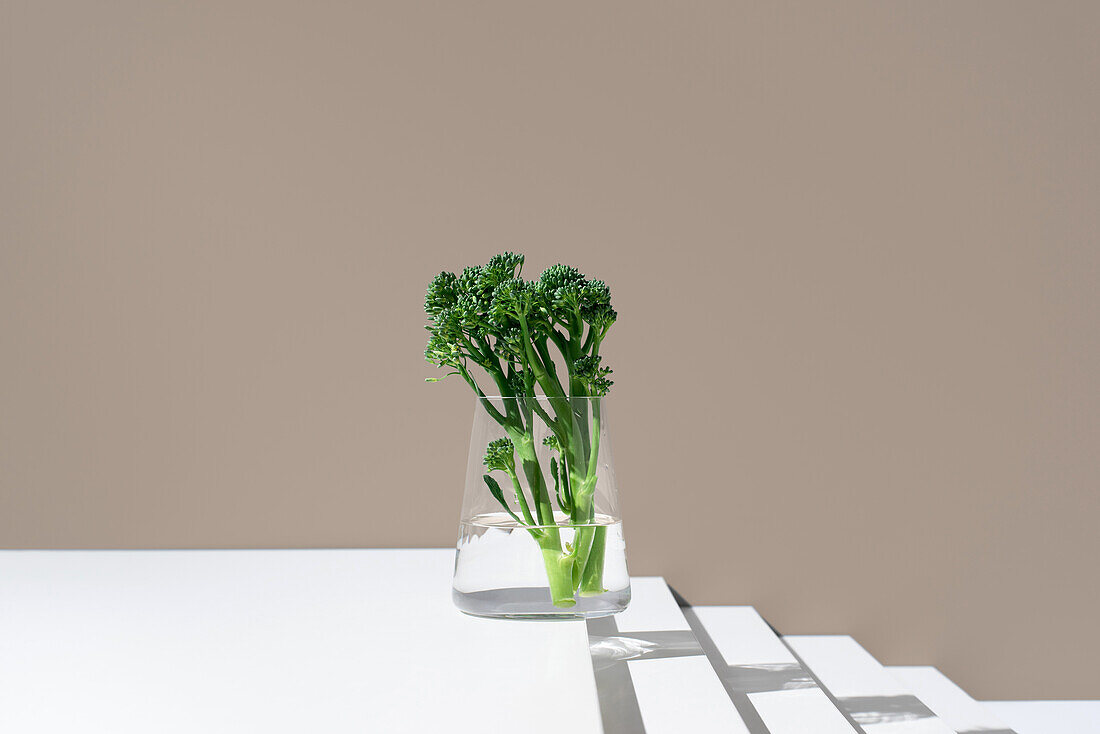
[535, 603]
[502, 571]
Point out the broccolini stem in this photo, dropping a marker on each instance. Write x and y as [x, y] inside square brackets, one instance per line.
[553, 390]
[493, 412]
[548, 364]
[559, 573]
[594, 454]
[590, 540]
[559, 566]
[553, 424]
[592, 575]
[521, 499]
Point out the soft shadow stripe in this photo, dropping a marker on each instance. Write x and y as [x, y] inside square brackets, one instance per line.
[884, 709]
[738, 696]
[614, 687]
[765, 678]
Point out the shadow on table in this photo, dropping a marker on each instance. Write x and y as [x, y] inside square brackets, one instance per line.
[613, 649]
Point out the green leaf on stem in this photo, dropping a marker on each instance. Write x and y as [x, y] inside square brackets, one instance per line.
[498, 495]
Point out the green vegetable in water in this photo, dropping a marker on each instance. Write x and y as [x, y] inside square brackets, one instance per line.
[490, 317]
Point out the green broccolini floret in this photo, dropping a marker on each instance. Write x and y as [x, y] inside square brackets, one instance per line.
[559, 276]
[442, 293]
[500, 455]
[588, 370]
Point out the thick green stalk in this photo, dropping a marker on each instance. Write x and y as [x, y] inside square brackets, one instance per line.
[582, 547]
[592, 576]
[559, 565]
[590, 540]
[559, 572]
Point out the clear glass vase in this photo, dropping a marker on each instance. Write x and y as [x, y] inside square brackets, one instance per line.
[540, 533]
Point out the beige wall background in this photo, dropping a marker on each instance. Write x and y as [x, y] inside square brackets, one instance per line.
[854, 247]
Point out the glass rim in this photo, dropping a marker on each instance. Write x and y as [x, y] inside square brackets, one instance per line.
[537, 397]
[471, 521]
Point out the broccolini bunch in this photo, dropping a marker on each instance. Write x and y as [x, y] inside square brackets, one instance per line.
[488, 316]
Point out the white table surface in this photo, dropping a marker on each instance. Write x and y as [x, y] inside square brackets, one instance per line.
[654, 676]
[273, 641]
[369, 641]
[876, 700]
[950, 702]
[759, 671]
[1048, 717]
